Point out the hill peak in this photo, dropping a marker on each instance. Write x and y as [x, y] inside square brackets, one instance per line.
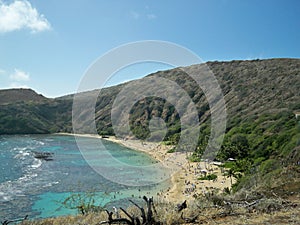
[14, 95]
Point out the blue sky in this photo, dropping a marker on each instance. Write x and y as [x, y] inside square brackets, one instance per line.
[51, 49]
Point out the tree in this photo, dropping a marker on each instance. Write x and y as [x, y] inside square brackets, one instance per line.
[230, 173]
[235, 146]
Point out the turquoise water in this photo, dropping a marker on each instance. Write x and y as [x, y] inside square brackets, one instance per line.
[35, 187]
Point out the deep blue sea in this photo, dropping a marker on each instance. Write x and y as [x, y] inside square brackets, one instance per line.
[36, 187]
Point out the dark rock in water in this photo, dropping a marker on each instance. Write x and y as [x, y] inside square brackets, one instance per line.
[47, 156]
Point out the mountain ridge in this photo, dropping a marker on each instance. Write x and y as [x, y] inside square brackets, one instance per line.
[241, 82]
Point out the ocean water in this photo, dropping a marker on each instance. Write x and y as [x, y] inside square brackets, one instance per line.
[35, 187]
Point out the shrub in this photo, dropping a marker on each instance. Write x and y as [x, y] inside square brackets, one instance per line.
[209, 177]
[172, 150]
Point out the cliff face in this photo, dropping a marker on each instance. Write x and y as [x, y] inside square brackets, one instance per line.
[250, 88]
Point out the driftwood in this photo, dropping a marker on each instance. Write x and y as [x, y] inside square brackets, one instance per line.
[181, 206]
[189, 219]
[143, 219]
[6, 222]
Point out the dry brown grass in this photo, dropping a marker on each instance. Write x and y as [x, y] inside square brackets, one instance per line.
[268, 211]
[288, 215]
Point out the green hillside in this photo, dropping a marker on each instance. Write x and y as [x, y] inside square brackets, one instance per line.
[23, 111]
[262, 134]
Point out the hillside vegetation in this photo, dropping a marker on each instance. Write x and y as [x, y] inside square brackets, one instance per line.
[262, 134]
[23, 111]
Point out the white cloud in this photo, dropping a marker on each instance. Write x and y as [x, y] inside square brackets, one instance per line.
[18, 85]
[135, 15]
[2, 71]
[19, 75]
[20, 14]
[151, 16]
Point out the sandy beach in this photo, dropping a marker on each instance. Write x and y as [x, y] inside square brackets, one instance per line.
[185, 182]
